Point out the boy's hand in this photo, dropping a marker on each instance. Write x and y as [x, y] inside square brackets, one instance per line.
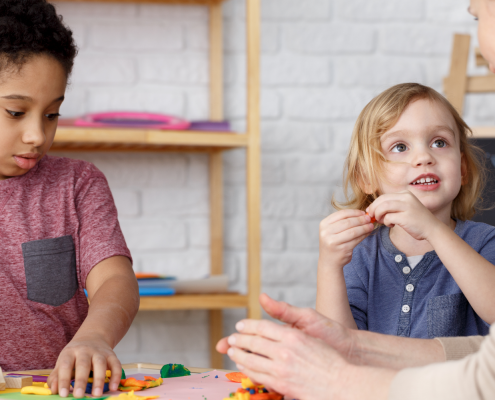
[340, 233]
[85, 354]
[405, 210]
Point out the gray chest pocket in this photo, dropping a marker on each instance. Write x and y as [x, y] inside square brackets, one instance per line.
[447, 315]
[50, 266]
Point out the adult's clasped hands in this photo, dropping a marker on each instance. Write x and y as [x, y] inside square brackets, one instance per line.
[295, 358]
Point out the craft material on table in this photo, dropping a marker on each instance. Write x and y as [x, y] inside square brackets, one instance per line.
[174, 371]
[2, 381]
[18, 381]
[236, 376]
[133, 384]
[250, 391]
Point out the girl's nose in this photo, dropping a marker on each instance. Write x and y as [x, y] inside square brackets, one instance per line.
[423, 157]
[34, 134]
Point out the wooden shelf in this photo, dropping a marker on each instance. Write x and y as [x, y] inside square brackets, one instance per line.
[187, 2]
[194, 301]
[119, 139]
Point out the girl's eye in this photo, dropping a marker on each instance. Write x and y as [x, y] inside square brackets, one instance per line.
[399, 148]
[51, 117]
[439, 143]
[15, 113]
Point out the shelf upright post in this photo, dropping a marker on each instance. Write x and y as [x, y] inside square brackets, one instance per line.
[216, 172]
[253, 167]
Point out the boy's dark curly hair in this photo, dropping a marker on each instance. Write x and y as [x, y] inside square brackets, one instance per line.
[32, 27]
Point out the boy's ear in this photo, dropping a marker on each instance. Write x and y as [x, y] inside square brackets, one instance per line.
[464, 170]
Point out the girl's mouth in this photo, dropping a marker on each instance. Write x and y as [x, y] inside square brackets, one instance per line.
[26, 161]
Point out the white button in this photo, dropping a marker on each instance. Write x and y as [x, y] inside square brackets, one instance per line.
[405, 308]
[406, 270]
[409, 288]
[398, 258]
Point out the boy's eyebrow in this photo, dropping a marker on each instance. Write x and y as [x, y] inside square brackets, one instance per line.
[27, 98]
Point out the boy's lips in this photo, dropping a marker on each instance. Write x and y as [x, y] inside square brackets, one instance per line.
[27, 161]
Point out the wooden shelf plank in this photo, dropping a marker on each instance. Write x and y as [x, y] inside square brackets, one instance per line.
[187, 2]
[96, 139]
[194, 301]
[483, 132]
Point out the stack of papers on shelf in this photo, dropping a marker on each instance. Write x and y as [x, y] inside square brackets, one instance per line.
[157, 285]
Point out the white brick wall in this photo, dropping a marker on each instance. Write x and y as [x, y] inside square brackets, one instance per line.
[322, 61]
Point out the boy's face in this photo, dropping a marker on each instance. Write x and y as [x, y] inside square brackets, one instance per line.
[484, 11]
[425, 152]
[29, 104]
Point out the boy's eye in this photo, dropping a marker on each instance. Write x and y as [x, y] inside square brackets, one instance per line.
[399, 148]
[439, 143]
[15, 113]
[51, 117]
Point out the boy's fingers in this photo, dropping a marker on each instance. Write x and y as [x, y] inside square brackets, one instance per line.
[65, 366]
[343, 214]
[99, 372]
[52, 381]
[116, 367]
[83, 367]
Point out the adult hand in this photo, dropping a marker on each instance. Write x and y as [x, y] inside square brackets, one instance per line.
[85, 354]
[405, 210]
[308, 321]
[287, 360]
[340, 233]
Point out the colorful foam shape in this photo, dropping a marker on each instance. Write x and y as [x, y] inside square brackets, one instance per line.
[133, 384]
[236, 376]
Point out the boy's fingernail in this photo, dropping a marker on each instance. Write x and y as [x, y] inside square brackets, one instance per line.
[78, 393]
[98, 392]
[231, 340]
[239, 326]
[230, 352]
[239, 367]
[63, 392]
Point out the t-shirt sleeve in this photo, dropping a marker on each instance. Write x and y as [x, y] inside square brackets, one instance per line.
[100, 236]
[356, 293]
[471, 378]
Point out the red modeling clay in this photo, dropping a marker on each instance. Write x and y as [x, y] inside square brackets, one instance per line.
[236, 376]
[373, 219]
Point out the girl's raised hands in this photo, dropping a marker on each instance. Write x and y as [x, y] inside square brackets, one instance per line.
[340, 233]
[405, 210]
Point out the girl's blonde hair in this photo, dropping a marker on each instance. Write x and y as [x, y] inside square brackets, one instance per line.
[364, 165]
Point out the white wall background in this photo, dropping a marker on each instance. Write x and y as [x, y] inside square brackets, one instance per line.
[322, 61]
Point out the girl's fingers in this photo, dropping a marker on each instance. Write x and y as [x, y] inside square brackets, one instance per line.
[342, 215]
[352, 234]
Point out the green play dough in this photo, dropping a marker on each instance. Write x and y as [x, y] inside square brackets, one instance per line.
[123, 374]
[173, 371]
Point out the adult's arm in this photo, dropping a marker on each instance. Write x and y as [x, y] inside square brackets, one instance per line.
[472, 377]
[359, 347]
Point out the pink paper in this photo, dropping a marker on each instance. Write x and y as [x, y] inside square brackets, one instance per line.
[194, 387]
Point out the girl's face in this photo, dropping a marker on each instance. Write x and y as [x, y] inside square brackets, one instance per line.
[484, 11]
[29, 104]
[426, 159]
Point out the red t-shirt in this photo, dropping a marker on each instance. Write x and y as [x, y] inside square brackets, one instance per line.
[56, 223]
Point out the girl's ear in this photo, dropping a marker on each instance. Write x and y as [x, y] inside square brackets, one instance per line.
[464, 170]
[365, 186]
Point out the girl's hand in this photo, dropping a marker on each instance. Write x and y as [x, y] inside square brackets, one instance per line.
[340, 233]
[85, 354]
[405, 210]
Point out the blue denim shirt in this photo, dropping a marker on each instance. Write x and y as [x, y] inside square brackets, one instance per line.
[387, 296]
